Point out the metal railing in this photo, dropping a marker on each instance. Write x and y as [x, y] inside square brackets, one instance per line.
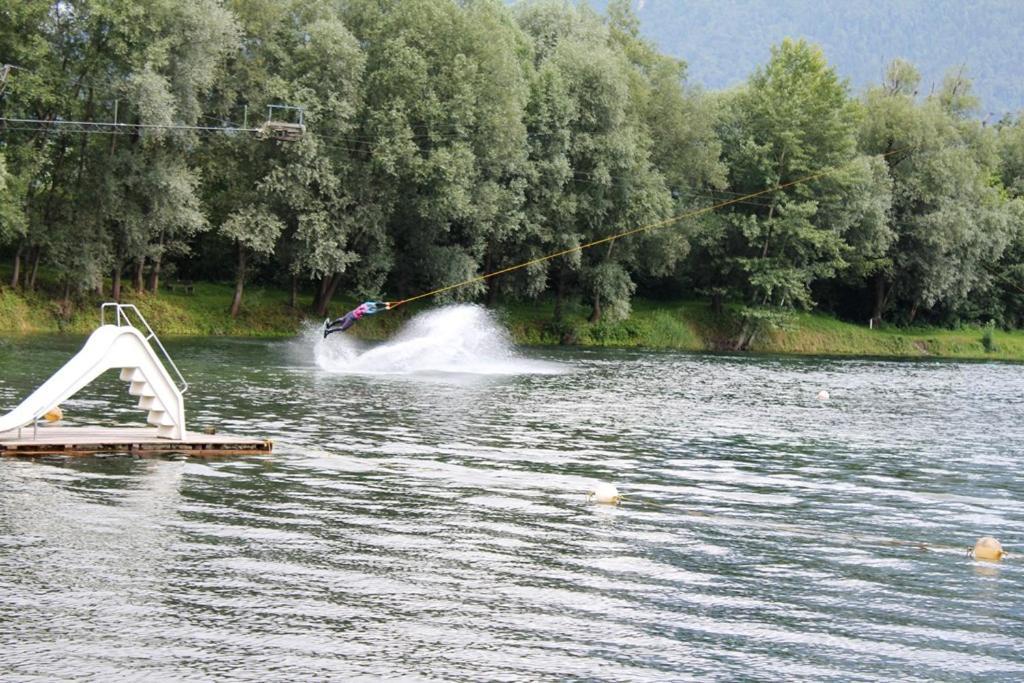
[121, 317]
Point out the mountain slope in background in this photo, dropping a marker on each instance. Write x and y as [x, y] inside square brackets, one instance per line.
[723, 41]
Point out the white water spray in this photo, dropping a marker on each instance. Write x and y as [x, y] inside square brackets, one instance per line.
[461, 339]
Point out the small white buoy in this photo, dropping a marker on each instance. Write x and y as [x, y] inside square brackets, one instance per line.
[604, 493]
[823, 395]
[989, 549]
[54, 414]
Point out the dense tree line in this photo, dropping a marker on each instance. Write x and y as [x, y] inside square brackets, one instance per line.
[445, 140]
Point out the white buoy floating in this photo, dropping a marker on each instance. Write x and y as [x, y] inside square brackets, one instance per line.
[605, 494]
[988, 549]
[823, 395]
[54, 414]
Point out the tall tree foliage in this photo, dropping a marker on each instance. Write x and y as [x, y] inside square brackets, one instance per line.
[594, 173]
[100, 203]
[949, 218]
[790, 134]
[447, 140]
[440, 141]
[12, 221]
[1007, 300]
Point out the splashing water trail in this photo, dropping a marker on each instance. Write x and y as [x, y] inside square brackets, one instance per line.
[462, 339]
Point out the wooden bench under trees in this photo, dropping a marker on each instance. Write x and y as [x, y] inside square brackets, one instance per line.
[183, 287]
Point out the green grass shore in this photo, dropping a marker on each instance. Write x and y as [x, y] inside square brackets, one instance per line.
[682, 325]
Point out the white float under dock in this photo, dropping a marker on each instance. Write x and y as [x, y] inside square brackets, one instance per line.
[134, 440]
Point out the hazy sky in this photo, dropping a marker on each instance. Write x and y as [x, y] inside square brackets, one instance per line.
[724, 40]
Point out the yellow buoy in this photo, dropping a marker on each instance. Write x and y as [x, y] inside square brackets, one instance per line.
[55, 414]
[988, 548]
[604, 493]
[823, 395]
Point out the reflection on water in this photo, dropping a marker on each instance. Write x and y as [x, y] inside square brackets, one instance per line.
[430, 520]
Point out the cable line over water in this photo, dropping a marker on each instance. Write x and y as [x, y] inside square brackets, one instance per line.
[657, 225]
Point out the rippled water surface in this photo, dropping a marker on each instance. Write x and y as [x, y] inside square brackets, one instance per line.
[424, 515]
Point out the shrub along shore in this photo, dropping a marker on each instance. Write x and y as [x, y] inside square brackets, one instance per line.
[678, 325]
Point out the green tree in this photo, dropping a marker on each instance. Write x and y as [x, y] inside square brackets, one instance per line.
[949, 218]
[97, 202]
[43, 42]
[175, 62]
[255, 230]
[1008, 273]
[793, 128]
[1011, 154]
[295, 199]
[680, 122]
[593, 174]
[440, 143]
[12, 219]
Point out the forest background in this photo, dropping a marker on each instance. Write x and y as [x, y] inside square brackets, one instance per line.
[445, 140]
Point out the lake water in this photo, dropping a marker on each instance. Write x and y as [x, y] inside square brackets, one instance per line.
[424, 515]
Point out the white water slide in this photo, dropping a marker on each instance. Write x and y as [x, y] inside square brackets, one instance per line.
[116, 346]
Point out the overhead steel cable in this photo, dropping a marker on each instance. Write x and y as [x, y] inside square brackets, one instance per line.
[111, 127]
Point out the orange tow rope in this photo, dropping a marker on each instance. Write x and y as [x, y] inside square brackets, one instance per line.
[626, 233]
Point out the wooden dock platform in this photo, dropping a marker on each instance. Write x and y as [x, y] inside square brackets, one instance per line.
[135, 440]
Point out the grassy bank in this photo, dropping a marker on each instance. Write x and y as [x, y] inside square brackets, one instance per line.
[203, 312]
[688, 325]
[691, 326]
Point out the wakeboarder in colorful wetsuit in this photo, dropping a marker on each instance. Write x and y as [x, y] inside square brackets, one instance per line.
[349, 319]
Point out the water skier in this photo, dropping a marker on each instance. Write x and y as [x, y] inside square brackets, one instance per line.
[349, 319]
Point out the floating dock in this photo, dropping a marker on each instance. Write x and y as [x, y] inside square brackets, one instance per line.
[141, 441]
[126, 344]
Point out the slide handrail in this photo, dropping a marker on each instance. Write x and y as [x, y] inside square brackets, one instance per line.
[121, 316]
